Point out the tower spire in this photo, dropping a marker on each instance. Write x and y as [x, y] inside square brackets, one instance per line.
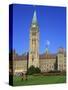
[34, 17]
[47, 44]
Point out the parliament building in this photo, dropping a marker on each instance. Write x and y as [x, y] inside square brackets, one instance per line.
[45, 62]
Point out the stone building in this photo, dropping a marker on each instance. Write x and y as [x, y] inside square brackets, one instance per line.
[46, 61]
[19, 63]
[53, 62]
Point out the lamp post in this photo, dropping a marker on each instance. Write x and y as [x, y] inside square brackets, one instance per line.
[27, 60]
[27, 55]
[25, 73]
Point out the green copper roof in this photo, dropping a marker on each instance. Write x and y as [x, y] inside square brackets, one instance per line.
[34, 18]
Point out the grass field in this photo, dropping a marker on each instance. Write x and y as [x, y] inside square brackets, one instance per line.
[35, 80]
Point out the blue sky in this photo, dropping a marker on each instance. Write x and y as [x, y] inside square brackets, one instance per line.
[52, 27]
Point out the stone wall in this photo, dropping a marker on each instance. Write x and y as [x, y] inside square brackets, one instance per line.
[47, 65]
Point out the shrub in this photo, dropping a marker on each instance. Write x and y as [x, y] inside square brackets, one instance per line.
[54, 71]
[33, 70]
[37, 70]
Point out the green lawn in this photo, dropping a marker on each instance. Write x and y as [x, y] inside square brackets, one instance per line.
[35, 80]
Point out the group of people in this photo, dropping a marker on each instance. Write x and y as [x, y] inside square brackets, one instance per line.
[24, 76]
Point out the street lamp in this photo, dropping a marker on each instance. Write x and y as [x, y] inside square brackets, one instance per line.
[25, 73]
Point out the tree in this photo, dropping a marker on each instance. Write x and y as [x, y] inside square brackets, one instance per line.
[33, 70]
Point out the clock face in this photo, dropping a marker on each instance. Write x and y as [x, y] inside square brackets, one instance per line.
[34, 25]
[34, 33]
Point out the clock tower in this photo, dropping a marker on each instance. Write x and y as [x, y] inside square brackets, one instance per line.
[34, 43]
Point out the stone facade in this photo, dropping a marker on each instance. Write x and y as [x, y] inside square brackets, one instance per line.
[47, 62]
[61, 60]
[53, 62]
[19, 63]
[19, 67]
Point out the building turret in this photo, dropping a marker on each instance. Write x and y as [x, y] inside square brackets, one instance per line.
[60, 58]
